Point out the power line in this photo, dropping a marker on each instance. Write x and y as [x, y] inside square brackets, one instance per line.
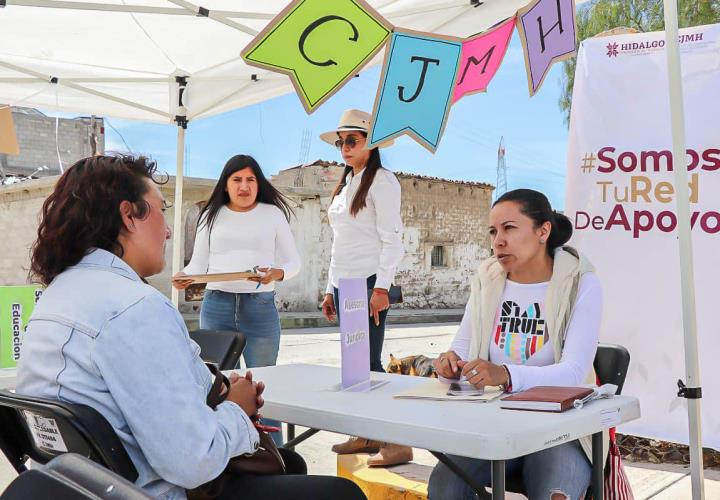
[118, 133]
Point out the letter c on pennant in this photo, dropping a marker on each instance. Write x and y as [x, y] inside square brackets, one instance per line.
[312, 27]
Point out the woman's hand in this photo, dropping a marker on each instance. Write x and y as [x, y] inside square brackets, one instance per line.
[446, 365]
[379, 301]
[246, 393]
[328, 307]
[271, 274]
[481, 373]
[180, 284]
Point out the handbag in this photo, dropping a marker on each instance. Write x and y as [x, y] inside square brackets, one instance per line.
[265, 460]
[616, 485]
[395, 294]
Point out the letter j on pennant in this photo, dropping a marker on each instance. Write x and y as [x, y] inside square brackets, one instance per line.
[416, 88]
[319, 44]
[547, 31]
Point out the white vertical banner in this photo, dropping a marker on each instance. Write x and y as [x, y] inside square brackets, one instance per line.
[621, 199]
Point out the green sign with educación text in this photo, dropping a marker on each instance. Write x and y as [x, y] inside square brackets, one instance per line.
[16, 305]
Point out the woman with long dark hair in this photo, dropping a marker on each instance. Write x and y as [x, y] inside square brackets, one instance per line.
[364, 215]
[100, 336]
[245, 224]
[533, 319]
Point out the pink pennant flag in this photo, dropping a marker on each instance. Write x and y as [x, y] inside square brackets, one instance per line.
[480, 59]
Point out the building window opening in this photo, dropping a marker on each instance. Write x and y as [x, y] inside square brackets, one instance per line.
[438, 256]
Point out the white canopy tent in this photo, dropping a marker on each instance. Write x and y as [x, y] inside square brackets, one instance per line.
[133, 59]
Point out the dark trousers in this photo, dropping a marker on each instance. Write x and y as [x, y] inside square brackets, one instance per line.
[377, 332]
[294, 485]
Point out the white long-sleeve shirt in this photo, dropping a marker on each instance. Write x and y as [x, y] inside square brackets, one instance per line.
[240, 241]
[370, 242]
[519, 339]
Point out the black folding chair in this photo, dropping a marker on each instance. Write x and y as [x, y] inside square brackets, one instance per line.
[72, 477]
[220, 347]
[611, 364]
[42, 429]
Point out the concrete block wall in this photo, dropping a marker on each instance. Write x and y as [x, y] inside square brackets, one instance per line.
[37, 140]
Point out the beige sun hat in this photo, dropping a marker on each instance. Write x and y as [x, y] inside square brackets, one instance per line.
[351, 120]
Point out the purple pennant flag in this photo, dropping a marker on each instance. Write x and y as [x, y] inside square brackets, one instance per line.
[354, 334]
[547, 31]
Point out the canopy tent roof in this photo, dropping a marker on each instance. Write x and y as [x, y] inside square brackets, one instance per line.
[120, 57]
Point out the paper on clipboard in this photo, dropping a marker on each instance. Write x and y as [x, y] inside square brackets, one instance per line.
[212, 277]
[435, 390]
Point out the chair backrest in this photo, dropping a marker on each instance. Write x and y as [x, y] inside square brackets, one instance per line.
[611, 364]
[42, 429]
[72, 477]
[221, 347]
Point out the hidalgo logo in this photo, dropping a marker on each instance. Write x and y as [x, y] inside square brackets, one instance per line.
[612, 49]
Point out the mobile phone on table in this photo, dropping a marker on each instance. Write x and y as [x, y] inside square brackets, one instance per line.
[464, 389]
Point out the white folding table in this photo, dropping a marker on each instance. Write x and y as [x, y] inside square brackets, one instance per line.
[306, 395]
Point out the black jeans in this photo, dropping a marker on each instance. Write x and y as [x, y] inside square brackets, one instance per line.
[294, 485]
[377, 332]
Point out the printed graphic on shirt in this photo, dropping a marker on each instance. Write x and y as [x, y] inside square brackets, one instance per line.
[520, 334]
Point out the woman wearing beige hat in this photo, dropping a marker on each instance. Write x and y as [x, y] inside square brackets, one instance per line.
[364, 215]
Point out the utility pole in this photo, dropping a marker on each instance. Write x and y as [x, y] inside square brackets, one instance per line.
[501, 185]
[303, 156]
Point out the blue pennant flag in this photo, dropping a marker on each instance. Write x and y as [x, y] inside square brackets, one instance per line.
[416, 88]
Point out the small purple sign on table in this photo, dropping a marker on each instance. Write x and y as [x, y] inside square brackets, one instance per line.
[354, 335]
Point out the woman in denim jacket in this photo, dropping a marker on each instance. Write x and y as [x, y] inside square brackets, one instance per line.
[102, 337]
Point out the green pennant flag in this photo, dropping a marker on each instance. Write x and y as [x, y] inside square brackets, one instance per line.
[319, 44]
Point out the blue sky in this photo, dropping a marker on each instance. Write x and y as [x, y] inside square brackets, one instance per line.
[535, 135]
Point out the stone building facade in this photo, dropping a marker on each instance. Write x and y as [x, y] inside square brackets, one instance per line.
[445, 234]
[76, 138]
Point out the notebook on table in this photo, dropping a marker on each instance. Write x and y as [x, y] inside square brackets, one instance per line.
[545, 398]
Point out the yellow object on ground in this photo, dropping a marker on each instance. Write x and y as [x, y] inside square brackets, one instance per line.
[400, 482]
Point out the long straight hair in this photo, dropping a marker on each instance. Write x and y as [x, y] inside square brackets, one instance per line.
[220, 197]
[359, 200]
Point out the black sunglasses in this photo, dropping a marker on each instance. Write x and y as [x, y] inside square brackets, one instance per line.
[350, 141]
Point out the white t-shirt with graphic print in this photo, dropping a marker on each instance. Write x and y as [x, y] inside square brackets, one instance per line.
[520, 340]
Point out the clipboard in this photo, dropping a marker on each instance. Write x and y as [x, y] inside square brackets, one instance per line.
[213, 277]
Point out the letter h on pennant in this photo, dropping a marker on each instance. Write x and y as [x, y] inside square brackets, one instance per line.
[544, 46]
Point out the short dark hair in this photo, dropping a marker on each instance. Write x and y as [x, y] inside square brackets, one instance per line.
[535, 205]
[83, 211]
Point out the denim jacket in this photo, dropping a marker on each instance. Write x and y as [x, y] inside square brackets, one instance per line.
[101, 337]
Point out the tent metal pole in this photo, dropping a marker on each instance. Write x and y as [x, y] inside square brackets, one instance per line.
[177, 234]
[134, 9]
[692, 366]
[214, 16]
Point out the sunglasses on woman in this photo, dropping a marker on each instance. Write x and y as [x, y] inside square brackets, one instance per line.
[350, 141]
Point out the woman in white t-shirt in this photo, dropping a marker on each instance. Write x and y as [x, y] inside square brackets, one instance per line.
[243, 225]
[533, 318]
